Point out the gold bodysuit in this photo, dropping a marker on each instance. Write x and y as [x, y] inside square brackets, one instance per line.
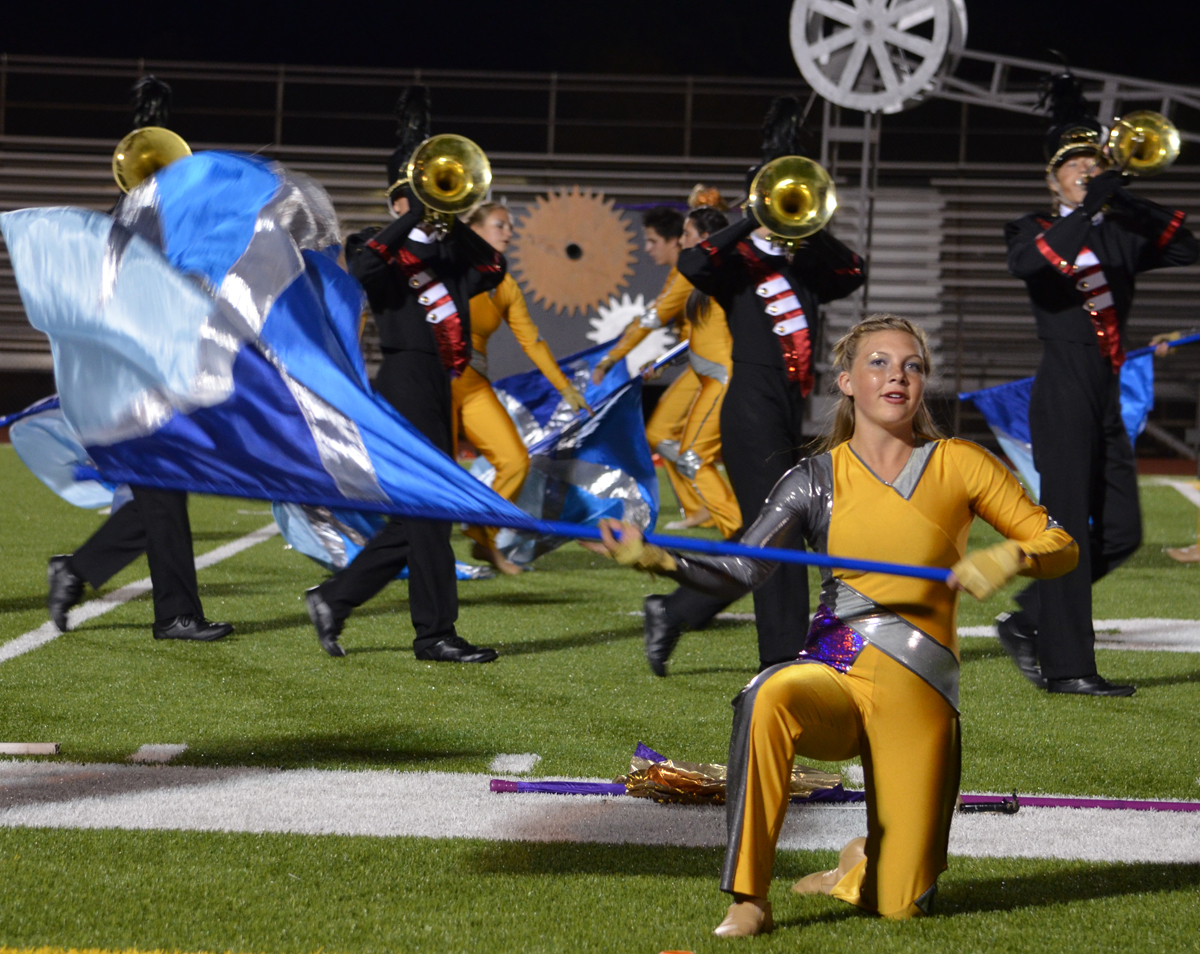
[878, 678]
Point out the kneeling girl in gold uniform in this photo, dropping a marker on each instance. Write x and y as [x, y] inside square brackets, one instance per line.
[878, 677]
[476, 411]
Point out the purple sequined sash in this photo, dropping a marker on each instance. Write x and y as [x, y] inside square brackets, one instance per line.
[832, 642]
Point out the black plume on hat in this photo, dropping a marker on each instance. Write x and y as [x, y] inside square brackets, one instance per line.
[151, 102]
[1062, 97]
[780, 131]
[412, 128]
[781, 128]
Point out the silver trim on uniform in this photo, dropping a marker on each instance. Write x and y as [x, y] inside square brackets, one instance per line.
[668, 450]
[896, 637]
[689, 464]
[479, 362]
[708, 369]
[910, 474]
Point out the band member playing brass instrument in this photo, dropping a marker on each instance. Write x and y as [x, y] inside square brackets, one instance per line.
[770, 294]
[1079, 263]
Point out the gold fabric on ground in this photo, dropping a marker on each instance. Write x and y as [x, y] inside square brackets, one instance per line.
[691, 783]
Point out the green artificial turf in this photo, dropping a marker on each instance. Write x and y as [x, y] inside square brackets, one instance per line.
[571, 684]
[217, 892]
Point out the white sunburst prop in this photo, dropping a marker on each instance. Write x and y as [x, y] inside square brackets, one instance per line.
[614, 317]
[877, 55]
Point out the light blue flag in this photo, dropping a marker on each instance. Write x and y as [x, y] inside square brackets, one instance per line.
[1005, 407]
[206, 340]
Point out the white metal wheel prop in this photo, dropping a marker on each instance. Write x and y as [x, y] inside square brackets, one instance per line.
[877, 55]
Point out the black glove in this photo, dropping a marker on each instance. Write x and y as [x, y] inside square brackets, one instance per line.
[1100, 190]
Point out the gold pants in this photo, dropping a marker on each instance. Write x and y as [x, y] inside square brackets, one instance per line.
[702, 435]
[478, 415]
[908, 738]
[667, 423]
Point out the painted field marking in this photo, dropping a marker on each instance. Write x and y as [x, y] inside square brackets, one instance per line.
[1189, 487]
[452, 805]
[48, 632]
[1161, 635]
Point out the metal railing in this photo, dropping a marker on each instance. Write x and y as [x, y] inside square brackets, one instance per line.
[340, 106]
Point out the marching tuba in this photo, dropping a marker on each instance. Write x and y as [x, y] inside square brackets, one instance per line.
[1142, 143]
[450, 175]
[143, 152]
[793, 197]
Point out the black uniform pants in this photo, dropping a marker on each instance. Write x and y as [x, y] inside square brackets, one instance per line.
[416, 385]
[760, 439]
[154, 522]
[1089, 485]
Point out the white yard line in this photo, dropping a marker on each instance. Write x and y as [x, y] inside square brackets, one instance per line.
[1164, 635]
[1188, 486]
[48, 632]
[447, 805]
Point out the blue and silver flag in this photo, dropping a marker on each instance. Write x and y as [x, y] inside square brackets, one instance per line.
[581, 468]
[205, 340]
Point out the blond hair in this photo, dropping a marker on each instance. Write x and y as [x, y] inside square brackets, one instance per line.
[479, 214]
[710, 196]
[844, 353]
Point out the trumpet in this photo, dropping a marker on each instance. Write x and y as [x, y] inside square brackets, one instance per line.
[450, 175]
[143, 152]
[793, 197]
[1142, 143]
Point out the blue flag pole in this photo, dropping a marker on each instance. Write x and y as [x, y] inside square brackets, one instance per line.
[724, 548]
[1187, 339]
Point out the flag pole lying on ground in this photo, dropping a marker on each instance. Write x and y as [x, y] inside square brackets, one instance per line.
[205, 340]
[1005, 407]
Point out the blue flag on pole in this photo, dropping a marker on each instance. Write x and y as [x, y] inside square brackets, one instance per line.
[206, 340]
[1005, 407]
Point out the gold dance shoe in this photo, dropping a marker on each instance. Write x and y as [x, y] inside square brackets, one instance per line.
[823, 882]
[746, 919]
[1185, 554]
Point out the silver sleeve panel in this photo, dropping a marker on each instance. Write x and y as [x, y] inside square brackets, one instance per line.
[793, 511]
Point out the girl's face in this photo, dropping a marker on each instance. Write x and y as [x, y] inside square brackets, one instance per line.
[887, 380]
[496, 229]
[1071, 178]
[692, 236]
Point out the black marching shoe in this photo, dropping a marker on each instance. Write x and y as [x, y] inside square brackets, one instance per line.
[196, 628]
[659, 634]
[1089, 686]
[456, 649]
[66, 589]
[1018, 637]
[328, 626]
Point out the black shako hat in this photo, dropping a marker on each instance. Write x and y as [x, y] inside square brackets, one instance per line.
[1075, 130]
[412, 128]
[780, 132]
[151, 100]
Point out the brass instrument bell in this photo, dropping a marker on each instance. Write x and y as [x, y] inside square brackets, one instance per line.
[143, 152]
[1143, 143]
[450, 175]
[793, 197]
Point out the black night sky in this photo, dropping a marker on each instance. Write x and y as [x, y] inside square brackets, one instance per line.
[1154, 39]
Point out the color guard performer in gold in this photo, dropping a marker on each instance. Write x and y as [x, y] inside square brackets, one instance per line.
[878, 677]
[710, 356]
[663, 228]
[477, 412]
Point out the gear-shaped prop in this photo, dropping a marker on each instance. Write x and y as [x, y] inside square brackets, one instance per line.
[877, 55]
[572, 251]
